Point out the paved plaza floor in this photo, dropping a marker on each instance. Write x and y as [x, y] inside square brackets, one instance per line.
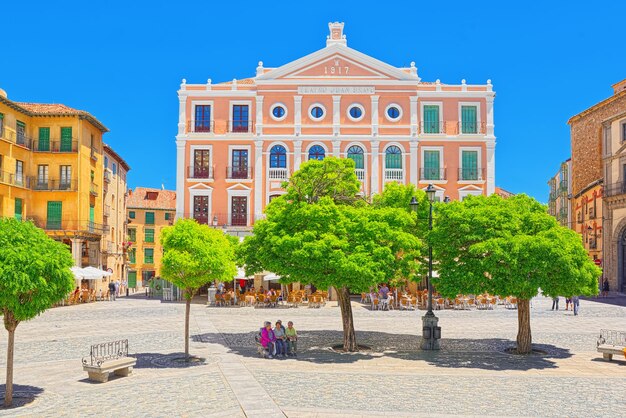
[470, 376]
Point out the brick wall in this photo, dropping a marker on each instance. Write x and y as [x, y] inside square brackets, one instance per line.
[586, 140]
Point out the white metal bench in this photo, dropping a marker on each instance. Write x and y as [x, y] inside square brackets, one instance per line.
[106, 358]
[611, 342]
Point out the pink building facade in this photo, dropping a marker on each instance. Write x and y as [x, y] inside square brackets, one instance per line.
[238, 140]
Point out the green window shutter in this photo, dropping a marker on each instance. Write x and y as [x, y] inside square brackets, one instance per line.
[167, 216]
[131, 214]
[358, 160]
[132, 235]
[149, 235]
[431, 119]
[92, 211]
[132, 255]
[148, 255]
[149, 218]
[66, 139]
[431, 165]
[469, 165]
[55, 213]
[469, 122]
[132, 279]
[18, 209]
[44, 139]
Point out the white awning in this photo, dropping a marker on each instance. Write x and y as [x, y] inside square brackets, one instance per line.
[272, 277]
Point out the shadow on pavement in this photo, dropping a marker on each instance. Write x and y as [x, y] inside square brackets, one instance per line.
[612, 299]
[314, 346]
[166, 361]
[22, 395]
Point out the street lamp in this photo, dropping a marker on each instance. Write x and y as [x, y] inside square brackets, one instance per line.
[431, 332]
[215, 221]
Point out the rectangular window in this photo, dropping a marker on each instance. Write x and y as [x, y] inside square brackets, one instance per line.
[149, 218]
[114, 169]
[54, 215]
[431, 165]
[168, 216]
[148, 255]
[240, 118]
[44, 139]
[1, 125]
[106, 162]
[623, 131]
[19, 204]
[19, 172]
[132, 256]
[240, 164]
[42, 177]
[203, 118]
[469, 165]
[469, 120]
[431, 119]
[92, 217]
[201, 209]
[20, 129]
[131, 214]
[65, 175]
[149, 235]
[66, 139]
[201, 164]
[132, 235]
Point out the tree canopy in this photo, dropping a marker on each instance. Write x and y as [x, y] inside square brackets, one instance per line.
[34, 275]
[322, 232]
[194, 255]
[508, 247]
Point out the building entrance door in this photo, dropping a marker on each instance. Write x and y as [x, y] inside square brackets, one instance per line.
[201, 209]
[621, 274]
[239, 216]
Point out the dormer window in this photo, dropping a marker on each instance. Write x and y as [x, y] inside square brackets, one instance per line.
[152, 195]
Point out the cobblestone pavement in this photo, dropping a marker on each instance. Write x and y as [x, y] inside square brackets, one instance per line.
[471, 375]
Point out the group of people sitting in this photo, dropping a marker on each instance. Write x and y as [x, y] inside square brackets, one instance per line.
[279, 341]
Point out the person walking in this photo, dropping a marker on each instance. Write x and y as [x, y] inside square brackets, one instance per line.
[605, 287]
[112, 291]
[555, 303]
[575, 304]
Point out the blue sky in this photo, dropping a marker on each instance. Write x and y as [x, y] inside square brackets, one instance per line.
[123, 62]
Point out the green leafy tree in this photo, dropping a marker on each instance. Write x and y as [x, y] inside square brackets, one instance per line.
[322, 233]
[194, 255]
[34, 275]
[509, 247]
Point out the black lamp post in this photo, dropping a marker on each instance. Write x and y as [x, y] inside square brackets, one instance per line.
[431, 333]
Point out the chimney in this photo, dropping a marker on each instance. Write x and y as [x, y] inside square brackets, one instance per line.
[619, 87]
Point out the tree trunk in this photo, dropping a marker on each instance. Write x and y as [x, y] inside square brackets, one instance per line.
[524, 337]
[349, 336]
[10, 324]
[188, 297]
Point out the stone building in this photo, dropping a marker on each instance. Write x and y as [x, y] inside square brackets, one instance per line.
[598, 175]
[560, 192]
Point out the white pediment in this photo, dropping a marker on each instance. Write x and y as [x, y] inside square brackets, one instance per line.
[337, 62]
[200, 186]
[471, 187]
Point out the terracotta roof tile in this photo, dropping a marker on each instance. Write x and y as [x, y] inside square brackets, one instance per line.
[48, 108]
[137, 199]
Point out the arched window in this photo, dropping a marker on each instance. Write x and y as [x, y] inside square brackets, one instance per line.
[393, 157]
[278, 157]
[316, 152]
[355, 153]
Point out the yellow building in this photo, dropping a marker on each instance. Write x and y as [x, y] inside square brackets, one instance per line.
[114, 214]
[149, 211]
[51, 171]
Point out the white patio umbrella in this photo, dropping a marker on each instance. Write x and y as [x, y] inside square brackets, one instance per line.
[272, 277]
[93, 273]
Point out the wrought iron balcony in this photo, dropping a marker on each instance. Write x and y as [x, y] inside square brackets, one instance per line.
[14, 179]
[56, 146]
[94, 154]
[615, 189]
[201, 126]
[240, 126]
[93, 189]
[471, 174]
[563, 186]
[433, 127]
[70, 225]
[107, 176]
[195, 172]
[432, 174]
[240, 172]
[39, 184]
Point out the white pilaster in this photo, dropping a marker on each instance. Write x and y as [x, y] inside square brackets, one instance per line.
[375, 115]
[336, 148]
[413, 109]
[336, 114]
[490, 123]
[413, 177]
[491, 167]
[297, 154]
[297, 114]
[375, 166]
[77, 251]
[259, 115]
[182, 114]
[258, 179]
[180, 177]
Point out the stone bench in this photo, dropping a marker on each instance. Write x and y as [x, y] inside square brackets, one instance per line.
[611, 342]
[120, 367]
